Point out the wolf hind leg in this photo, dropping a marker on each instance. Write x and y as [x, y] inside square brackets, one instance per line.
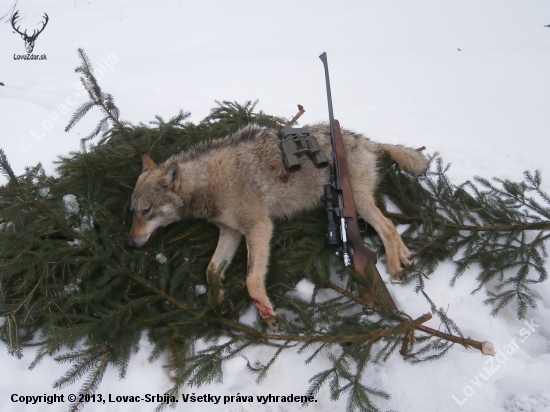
[228, 242]
[257, 242]
[397, 254]
[408, 159]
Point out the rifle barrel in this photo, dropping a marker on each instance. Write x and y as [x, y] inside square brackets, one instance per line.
[336, 180]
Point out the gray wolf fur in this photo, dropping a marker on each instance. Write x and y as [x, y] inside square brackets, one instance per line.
[239, 184]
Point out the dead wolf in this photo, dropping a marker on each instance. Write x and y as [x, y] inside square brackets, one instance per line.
[239, 183]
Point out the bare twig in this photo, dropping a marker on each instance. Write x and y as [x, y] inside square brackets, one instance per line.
[485, 347]
[301, 111]
[405, 346]
[9, 13]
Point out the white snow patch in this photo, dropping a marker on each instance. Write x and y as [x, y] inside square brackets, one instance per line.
[71, 204]
[161, 258]
[304, 290]
[5, 225]
[71, 288]
[87, 223]
[523, 402]
[104, 125]
[44, 191]
[75, 242]
[249, 316]
[200, 290]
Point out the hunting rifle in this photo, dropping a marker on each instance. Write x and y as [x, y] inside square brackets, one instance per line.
[372, 290]
[364, 259]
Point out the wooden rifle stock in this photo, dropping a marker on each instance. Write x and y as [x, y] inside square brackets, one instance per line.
[364, 259]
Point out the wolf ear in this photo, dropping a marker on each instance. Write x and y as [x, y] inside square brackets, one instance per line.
[170, 178]
[148, 163]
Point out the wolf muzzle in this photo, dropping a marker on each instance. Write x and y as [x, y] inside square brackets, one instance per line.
[131, 243]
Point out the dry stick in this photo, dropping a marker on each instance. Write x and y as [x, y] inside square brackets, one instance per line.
[485, 347]
[405, 346]
[295, 118]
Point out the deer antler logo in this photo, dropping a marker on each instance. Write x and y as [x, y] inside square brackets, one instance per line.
[29, 40]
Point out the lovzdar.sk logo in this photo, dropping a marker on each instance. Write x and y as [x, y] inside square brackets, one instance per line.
[29, 39]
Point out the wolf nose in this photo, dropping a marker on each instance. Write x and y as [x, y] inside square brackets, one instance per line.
[130, 243]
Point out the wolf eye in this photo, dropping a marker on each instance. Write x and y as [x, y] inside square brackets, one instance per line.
[145, 211]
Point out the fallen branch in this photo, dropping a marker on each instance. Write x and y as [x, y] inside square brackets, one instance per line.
[485, 347]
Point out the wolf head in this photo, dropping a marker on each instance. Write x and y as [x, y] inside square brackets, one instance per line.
[155, 201]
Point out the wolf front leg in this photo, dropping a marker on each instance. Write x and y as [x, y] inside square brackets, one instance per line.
[257, 242]
[225, 251]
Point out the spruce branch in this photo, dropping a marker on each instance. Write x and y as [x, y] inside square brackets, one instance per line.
[104, 101]
[10, 329]
[229, 117]
[475, 223]
[79, 113]
[17, 187]
[518, 227]
[6, 168]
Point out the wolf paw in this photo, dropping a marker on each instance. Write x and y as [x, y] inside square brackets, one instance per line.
[402, 276]
[405, 258]
[273, 322]
[397, 270]
[401, 273]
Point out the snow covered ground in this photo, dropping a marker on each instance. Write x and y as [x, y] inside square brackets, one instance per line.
[468, 79]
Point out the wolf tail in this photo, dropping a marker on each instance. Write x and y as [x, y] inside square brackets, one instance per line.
[408, 159]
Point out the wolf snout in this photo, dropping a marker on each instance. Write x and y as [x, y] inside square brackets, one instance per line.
[131, 243]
